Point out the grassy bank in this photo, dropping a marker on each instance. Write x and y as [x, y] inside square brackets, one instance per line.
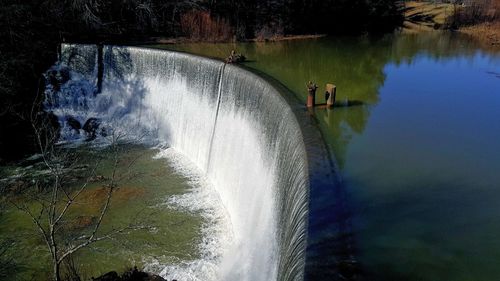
[184, 40]
[487, 33]
[480, 20]
[425, 16]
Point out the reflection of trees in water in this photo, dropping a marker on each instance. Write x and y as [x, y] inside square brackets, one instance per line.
[436, 45]
[362, 74]
[342, 124]
[354, 65]
[357, 67]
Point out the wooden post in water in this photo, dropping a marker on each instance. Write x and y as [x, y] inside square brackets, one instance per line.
[330, 94]
[311, 97]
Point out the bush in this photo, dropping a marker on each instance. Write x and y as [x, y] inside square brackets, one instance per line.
[199, 25]
[475, 12]
[270, 32]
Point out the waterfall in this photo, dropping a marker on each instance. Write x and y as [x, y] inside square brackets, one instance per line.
[232, 124]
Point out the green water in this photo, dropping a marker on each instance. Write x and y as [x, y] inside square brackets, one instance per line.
[418, 148]
[144, 184]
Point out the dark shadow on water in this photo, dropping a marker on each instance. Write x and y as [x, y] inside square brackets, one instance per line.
[331, 251]
[497, 75]
[453, 233]
[349, 103]
[340, 104]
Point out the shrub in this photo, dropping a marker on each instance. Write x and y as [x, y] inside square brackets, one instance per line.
[200, 26]
[474, 12]
[270, 32]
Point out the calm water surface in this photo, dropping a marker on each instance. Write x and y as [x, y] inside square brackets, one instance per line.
[416, 135]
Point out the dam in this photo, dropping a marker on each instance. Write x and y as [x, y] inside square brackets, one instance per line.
[232, 124]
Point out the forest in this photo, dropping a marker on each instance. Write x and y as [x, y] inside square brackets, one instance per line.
[32, 30]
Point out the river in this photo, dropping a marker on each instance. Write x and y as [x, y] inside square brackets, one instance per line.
[415, 133]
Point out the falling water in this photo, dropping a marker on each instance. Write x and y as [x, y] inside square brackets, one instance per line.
[233, 125]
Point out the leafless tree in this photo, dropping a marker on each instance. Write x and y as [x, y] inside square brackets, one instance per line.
[51, 202]
[89, 11]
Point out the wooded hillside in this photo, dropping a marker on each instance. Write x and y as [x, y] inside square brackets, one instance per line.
[31, 31]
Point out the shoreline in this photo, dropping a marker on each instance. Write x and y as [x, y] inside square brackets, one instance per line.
[488, 34]
[429, 17]
[183, 40]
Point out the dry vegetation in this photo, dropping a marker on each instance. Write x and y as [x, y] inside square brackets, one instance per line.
[478, 18]
[425, 16]
[481, 20]
[487, 33]
[201, 26]
[475, 12]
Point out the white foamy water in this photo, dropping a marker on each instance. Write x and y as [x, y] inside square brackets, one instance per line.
[203, 200]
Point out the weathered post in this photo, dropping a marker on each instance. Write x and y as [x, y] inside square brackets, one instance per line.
[311, 97]
[330, 94]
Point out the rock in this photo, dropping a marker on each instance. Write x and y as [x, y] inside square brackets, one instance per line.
[90, 127]
[130, 275]
[156, 278]
[104, 132]
[58, 76]
[235, 58]
[134, 275]
[240, 58]
[73, 123]
[110, 276]
[63, 75]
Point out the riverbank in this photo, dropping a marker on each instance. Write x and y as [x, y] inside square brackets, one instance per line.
[184, 40]
[429, 17]
[425, 16]
[488, 34]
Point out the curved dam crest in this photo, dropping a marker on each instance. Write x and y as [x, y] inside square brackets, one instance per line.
[231, 123]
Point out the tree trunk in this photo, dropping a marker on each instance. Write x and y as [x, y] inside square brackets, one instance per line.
[57, 275]
[100, 67]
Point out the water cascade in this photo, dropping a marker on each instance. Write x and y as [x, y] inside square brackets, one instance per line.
[229, 122]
